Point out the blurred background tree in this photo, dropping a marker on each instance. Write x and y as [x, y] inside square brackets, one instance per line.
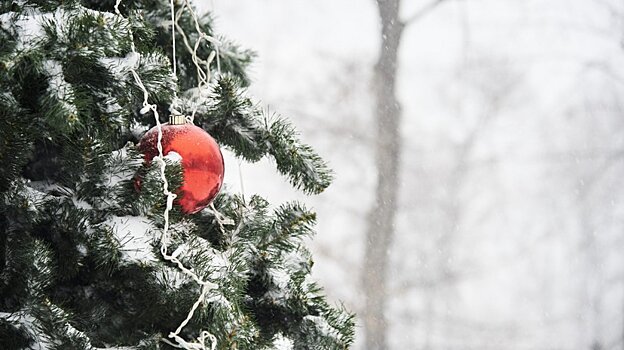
[508, 232]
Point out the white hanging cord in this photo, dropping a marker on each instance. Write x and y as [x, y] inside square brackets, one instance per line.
[206, 286]
[174, 75]
[173, 40]
[202, 66]
[240, 179]
[221, 220]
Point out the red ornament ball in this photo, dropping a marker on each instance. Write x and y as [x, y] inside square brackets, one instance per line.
[202, 162]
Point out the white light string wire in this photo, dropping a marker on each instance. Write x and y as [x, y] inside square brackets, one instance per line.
[203, 74]
[206, 286]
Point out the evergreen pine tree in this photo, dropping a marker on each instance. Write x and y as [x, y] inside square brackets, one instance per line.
[80, 261]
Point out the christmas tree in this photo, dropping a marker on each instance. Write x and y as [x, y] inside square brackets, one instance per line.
[96, 250]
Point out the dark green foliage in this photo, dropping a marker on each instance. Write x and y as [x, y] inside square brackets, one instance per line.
[81, 215]
[14, 148]
[13, 337]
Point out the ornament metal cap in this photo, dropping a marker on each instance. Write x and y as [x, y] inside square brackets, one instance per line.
[177, 119]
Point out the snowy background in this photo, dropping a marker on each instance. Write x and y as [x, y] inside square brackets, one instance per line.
[510, 230]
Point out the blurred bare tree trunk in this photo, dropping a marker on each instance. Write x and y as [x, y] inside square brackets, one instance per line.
[592, 289]
[380, 231]
[381, 219]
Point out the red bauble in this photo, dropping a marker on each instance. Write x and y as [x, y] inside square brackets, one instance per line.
[202, 162]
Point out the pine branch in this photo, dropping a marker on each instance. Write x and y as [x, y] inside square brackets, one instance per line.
[236, 122]
[305, 169]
